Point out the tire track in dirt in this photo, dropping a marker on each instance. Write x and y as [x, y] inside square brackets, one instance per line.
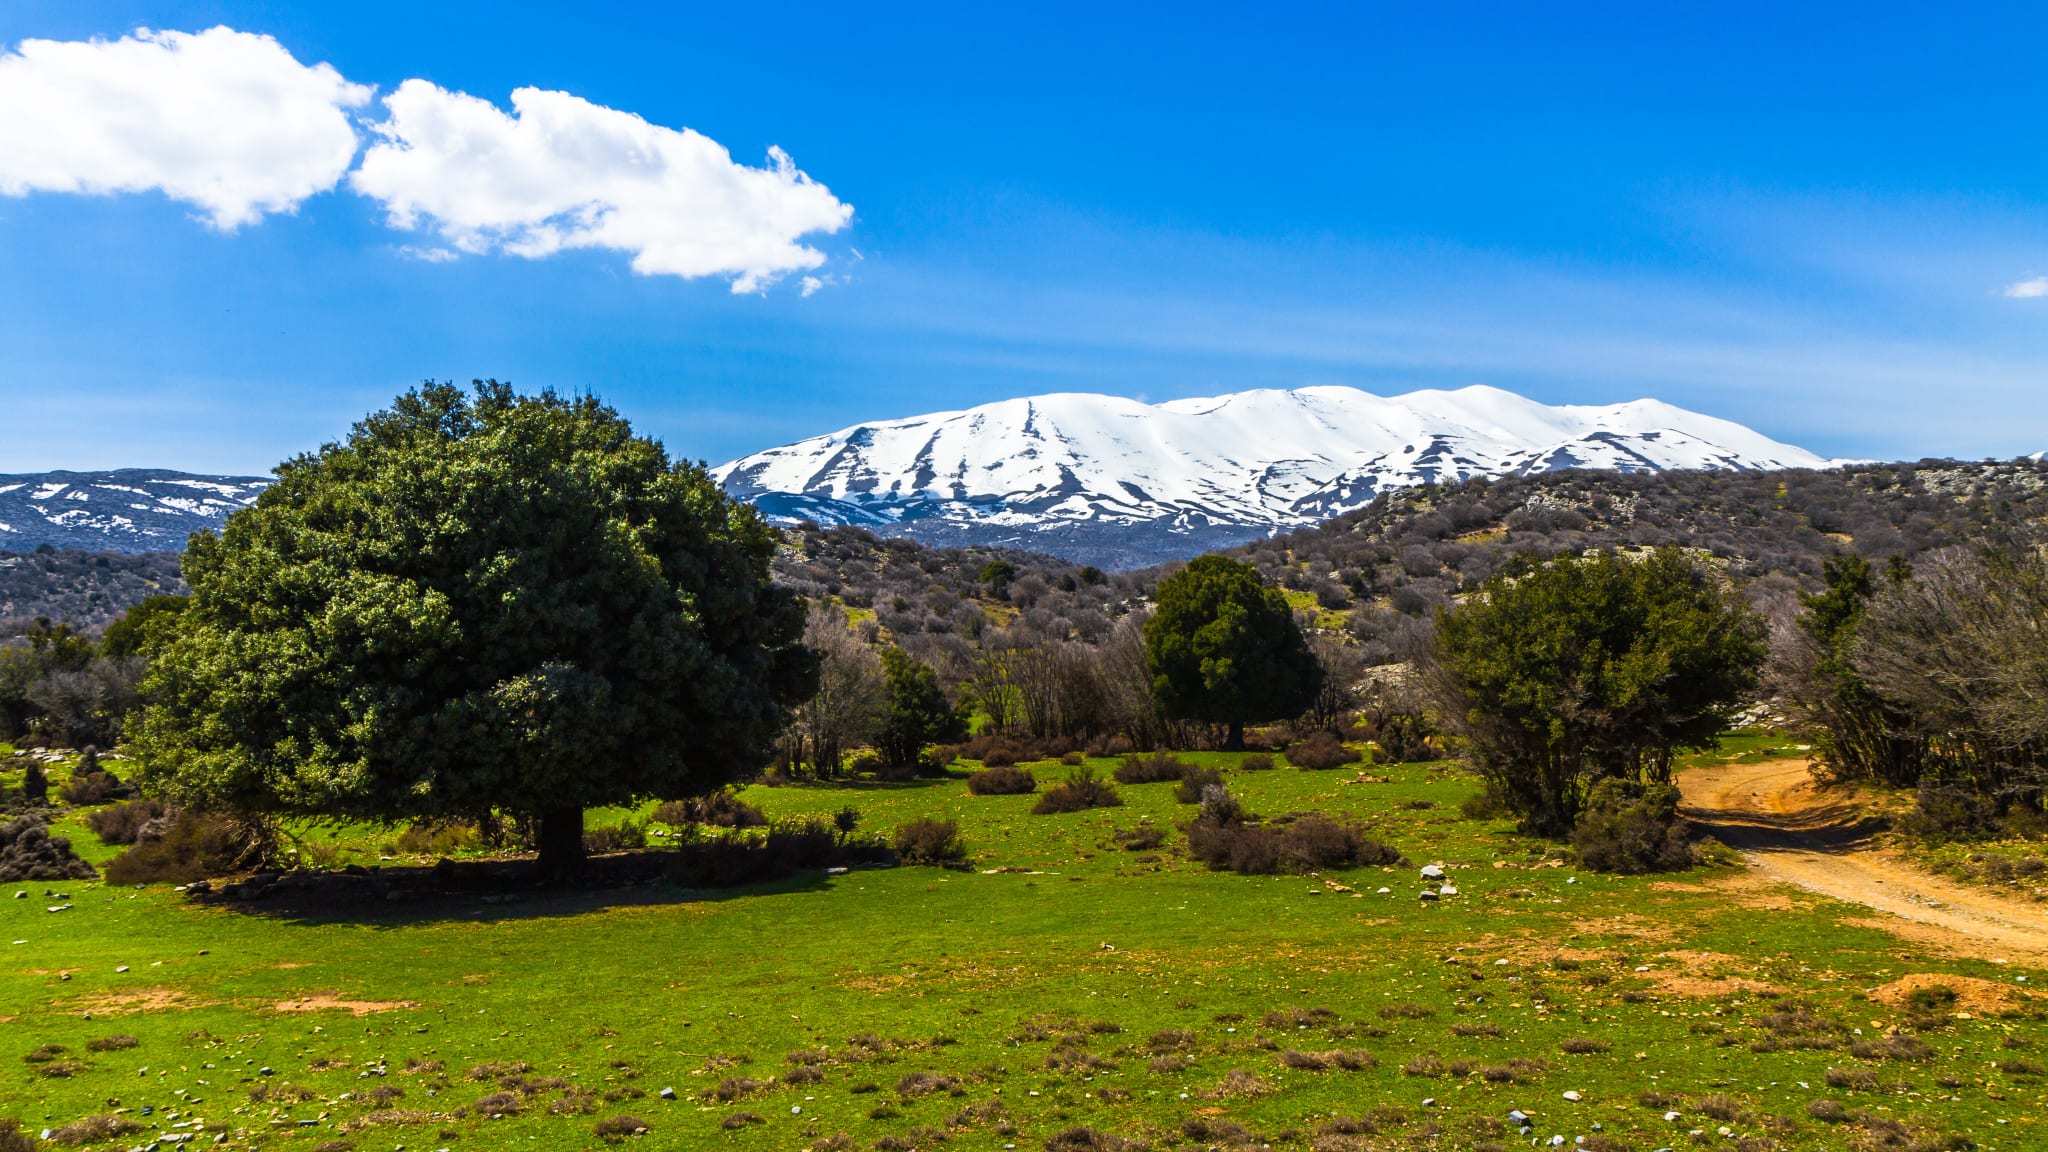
[1790, 829]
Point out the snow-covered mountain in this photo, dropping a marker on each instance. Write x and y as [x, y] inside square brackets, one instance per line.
[130, 510]
[1116, 481]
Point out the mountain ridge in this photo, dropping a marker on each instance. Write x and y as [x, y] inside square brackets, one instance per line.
[1117, 481]
[131, 510]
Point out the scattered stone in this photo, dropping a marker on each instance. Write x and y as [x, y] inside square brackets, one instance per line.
[1432, 872]
[1574, 1097]
[667, 1093]
[1447, 890]
[1429, 894]
[1517, 1116]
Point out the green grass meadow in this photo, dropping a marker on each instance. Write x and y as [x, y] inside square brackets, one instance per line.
[1061, 983]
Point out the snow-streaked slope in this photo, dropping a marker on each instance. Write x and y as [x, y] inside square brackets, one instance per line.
[131, 510]
[1252, 460]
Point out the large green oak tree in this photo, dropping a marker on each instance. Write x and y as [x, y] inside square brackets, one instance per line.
[477, 603]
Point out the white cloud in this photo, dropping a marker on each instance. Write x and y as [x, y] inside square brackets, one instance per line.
[226, 120]
[561, 172]
[435, 255]
[2028, 289]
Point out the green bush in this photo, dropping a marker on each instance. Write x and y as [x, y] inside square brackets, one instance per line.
[437, 838]
[1945, 813]
[720, 809]
[623, 837]
[1631, 828]
[1193, 781]
[121, 823]
[1002, 781]
[1078, 793]
[29, 852]
[1151, 769]
[195, 846]
[94, 785]
[1322, 750]
[929, 841]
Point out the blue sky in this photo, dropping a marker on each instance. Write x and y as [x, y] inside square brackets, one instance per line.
[1821, 223]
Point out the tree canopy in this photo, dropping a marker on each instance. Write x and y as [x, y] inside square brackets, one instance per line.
[1222, 647]
[476, 603]
[1565, 672]
[918, 712]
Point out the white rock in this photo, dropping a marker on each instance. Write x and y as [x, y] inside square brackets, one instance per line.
[1573, 1096]
[1432, 872]
[1447, 890]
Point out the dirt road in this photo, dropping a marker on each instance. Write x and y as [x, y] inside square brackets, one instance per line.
[1792, 830]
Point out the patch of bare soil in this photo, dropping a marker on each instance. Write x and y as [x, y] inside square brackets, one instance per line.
[1631, 925]
[1703, 974]
[1972, 994]
[1791, 829]
[141, 1000]
[330, 1002]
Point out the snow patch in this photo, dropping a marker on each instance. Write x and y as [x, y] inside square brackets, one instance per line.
[1269, 458]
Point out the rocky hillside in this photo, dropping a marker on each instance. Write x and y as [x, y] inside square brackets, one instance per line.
[130, 510]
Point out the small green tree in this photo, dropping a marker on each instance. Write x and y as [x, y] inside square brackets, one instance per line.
[475, 605]
[1224, 648]
[997, 575]
[1565, 672]
[1857, 734]
[919, 713]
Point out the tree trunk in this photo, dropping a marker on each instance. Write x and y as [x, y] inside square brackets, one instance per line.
[561, 844]
[1235, 742]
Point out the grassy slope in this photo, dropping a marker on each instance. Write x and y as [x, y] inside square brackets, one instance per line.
[956, 967]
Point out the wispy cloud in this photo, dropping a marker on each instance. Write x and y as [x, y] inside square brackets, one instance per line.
[2028, 289]
[228, 121]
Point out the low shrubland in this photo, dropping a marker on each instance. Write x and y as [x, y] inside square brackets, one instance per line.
[196, 845]
[1226, 837]
[29, 852]
[121, 824]
[1077, 793]
[1630, 827]
[1152, 769]
[1002, 780]
[1322, 751]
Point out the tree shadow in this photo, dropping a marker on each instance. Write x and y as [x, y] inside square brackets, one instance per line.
[485, 892]
[859, 784]
[1833, 829]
